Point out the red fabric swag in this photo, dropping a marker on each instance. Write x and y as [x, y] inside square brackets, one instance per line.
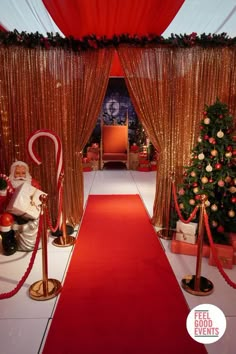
[79, 18]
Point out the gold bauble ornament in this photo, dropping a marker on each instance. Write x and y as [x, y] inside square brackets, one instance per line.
[231, 213]
[209, 168]
[207, 203]
[195, 190]
[201, 156]
[228, 154]
[220, 134]
[193, 174]
[181, 206]
[207, 120]
[232, 189]
[214, 152]
[214, 207]
[204, 179]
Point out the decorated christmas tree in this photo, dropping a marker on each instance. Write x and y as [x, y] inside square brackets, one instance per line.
[212, 173]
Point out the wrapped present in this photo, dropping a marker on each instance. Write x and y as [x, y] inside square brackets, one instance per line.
[133, 156]
[95, 165]
[133, 165]
[234, 258]
[185, 237]
[189, 229]
[143, 169]
[87, 169]
[25, 202]
[133, 160]
[232, 239]
[91, 155]
[225, 255]
[134, 148]
[143, 155]
[153, 165]
[188, 248]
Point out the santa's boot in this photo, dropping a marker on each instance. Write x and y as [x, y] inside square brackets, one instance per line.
[9, 243]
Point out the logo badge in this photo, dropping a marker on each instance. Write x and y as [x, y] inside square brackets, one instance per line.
[206, 323]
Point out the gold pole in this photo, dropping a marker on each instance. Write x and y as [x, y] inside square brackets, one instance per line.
[47, 288]
[196, 284]
[64, 240]
[167, 233]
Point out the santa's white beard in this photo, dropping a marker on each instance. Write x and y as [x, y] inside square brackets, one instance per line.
[16, 182]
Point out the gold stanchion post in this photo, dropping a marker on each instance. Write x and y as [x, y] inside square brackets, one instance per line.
[65, 240]
[196, 284]
[44, 289]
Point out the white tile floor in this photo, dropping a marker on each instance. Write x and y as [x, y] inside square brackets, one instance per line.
[24, 322]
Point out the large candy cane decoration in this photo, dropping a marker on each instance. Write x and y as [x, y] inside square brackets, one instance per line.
[58, 150]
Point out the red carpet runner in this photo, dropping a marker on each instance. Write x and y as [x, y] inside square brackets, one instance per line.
[120, 295]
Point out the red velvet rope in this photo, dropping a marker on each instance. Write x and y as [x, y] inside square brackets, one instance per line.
[212, 245]
[214, 253]
[30, 266]
[192, 215]
[49, 222]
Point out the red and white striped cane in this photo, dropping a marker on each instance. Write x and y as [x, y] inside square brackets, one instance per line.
[65, 240]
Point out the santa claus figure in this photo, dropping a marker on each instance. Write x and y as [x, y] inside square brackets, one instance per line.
[17, 233]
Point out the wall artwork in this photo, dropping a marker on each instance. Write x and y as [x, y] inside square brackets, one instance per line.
[115, 107]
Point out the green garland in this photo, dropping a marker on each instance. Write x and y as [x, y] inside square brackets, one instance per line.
[33, 40]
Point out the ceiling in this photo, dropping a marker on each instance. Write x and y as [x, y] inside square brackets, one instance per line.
[200, 16]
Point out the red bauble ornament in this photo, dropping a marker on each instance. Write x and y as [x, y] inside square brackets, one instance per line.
[206, 137]
[6, 219]
[195, 184]
[234, 152]
[221, 116]
[233, 199]
[198, 197]
[212, 140]
[220, 229]
[218, 166]
[221, 183]
[229, 148]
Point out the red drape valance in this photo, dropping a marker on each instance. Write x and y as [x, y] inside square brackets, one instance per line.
[79, 18]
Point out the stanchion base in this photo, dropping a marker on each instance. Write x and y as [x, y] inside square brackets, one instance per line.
[165, 234]
[205, 286]
[64, 241]
[37, 291]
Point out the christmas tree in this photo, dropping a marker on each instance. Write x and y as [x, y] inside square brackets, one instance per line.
[212, 173]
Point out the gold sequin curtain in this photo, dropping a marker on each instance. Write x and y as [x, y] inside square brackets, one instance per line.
[169, 88]
[57, 90]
